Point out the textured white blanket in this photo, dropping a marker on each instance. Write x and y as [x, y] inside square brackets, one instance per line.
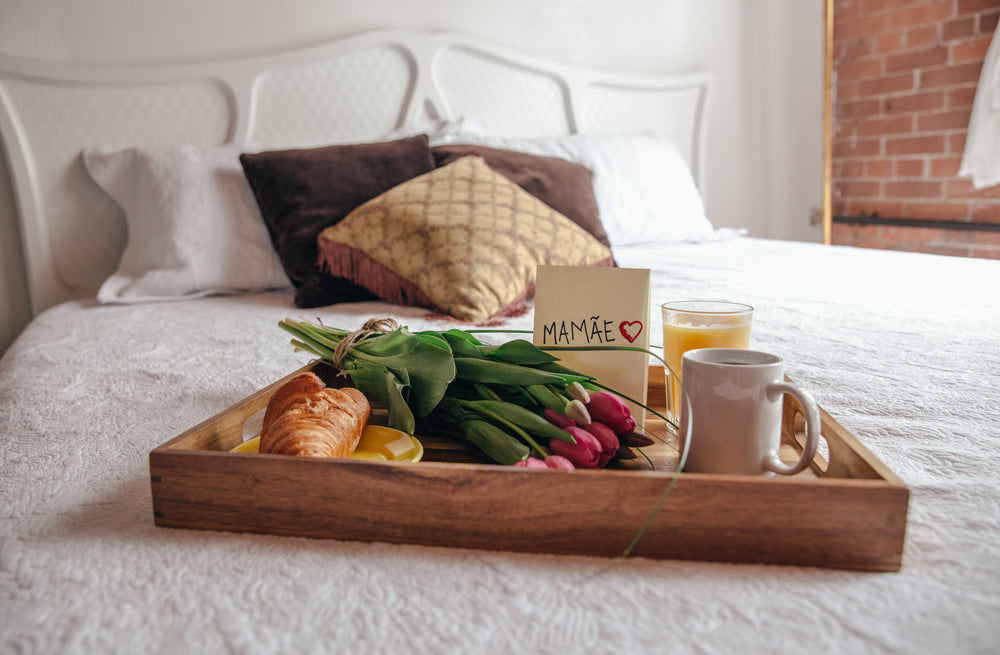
[902, 349]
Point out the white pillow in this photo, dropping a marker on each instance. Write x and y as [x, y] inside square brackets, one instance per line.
[645, 191]
[194, 227]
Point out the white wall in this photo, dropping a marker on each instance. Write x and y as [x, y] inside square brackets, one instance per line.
[785, 63]
[764, 149]
[640, 34]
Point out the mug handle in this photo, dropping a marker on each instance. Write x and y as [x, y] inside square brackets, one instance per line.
[811, 412]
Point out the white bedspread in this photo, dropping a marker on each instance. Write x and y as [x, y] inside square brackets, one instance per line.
[902, 349]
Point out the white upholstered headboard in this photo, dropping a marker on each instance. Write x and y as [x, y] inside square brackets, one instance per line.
[353, 89]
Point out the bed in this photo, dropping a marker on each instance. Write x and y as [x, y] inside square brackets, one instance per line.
[157, 290]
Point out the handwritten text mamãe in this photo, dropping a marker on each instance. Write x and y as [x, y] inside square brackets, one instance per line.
[593, 331]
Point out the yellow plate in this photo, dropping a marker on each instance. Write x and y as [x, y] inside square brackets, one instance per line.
[378, 443]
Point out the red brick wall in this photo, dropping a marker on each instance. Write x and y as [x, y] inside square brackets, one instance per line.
[905, 76]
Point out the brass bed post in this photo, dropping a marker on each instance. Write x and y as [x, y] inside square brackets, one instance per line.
[828, 122]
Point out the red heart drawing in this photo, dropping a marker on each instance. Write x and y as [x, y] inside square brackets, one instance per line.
[630, 330]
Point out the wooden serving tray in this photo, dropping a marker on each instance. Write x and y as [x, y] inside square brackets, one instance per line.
[848, 512]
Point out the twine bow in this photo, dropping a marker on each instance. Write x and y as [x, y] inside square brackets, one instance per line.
[371, 326]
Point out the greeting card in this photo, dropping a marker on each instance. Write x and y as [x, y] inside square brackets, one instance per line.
[597, 306]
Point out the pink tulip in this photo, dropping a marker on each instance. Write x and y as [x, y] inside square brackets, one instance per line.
[559, 462]
[558, 420]
[606, 437]
[612, 411]
[531, 463]
[585, 453]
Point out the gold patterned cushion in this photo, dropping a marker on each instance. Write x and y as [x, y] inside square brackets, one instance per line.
[461, 239]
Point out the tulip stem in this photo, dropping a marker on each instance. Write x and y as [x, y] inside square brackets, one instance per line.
[563, 399]
[646, 457]
[485, 392]
[521, 433]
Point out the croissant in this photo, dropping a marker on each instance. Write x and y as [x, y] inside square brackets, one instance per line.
[309, 419]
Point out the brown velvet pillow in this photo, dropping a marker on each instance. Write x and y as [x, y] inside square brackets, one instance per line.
[301, 192]
[562, 185]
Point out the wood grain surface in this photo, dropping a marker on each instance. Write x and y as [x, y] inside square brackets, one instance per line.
[848, 512]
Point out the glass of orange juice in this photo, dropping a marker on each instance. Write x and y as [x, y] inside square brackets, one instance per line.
[692, 324]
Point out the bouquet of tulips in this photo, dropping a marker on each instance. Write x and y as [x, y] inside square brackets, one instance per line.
[506, 400]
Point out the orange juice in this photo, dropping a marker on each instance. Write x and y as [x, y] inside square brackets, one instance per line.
[691, 324]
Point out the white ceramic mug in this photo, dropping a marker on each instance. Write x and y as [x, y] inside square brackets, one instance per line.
[735, 412]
